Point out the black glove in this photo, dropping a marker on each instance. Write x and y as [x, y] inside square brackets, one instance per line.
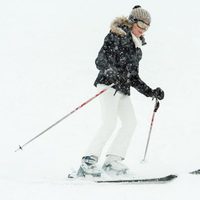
[158, 93]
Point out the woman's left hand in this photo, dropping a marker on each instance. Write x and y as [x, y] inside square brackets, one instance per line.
[158, 93]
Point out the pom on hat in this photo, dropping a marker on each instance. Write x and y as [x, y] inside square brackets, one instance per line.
[138, 13]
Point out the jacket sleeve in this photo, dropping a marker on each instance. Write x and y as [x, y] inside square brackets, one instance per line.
[107, 55]
[140, 85]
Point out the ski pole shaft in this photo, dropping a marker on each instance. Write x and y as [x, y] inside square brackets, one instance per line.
[157, 104]
[60, 120]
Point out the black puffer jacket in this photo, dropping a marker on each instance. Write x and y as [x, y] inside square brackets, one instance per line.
[119, 53]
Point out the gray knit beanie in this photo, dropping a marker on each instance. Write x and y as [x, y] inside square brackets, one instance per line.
[140, 14]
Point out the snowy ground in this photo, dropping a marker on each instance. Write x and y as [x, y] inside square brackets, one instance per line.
[47, 53]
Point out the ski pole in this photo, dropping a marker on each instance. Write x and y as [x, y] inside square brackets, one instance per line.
[57, 122]
[157, 104]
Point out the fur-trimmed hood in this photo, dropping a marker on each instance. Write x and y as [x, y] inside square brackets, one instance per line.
[121, 26]
[118, 24]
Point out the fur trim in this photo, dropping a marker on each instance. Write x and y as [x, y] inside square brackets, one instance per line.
[117, 23]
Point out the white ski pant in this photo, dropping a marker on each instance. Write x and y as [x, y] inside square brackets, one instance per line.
[114, 107]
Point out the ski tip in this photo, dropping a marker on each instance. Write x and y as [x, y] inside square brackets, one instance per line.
[70, 176]
[196, 172]
[172, 176]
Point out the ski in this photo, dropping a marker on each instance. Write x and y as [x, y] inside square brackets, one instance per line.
[195, 172]
[158, 180]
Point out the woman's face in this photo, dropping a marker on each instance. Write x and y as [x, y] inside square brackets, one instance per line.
[137, 30]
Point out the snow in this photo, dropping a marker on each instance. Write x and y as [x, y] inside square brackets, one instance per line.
[47, 55]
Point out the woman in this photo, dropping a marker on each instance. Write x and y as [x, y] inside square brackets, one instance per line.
[118, 63]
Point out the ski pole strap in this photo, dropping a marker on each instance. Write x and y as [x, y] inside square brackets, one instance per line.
[157, 105]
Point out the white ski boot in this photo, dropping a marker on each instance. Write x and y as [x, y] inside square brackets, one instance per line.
[114, 166]
[88, 167]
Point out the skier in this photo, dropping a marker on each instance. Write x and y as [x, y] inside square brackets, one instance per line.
[118, 64]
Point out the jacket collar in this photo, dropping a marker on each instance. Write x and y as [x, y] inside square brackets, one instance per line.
[137, 41]
[121, 26]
